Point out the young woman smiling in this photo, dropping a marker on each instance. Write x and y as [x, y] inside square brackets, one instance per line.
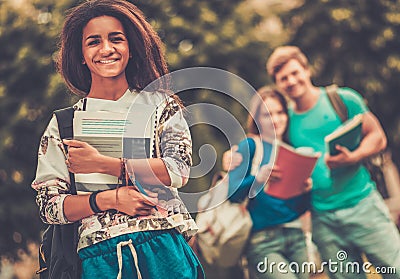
[108, 54]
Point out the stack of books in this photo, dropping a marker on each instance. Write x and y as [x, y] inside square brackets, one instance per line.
[127, 135]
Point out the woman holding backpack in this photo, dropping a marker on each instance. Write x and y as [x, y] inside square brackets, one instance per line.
[276, 236]
[108, 54]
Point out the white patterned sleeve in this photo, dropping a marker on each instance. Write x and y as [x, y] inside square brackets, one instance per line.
[175, 144]
[52, 176]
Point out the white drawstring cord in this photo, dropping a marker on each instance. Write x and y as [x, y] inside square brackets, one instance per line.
[134, 254]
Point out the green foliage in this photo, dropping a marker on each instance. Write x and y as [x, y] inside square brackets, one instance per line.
[355, 44]
[212, 33]
[29, 91]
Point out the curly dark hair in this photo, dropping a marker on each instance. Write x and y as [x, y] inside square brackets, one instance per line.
[147, 64]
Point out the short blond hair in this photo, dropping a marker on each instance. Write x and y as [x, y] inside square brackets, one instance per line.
[283, 54]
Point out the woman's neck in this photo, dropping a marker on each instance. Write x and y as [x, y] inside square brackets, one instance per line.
[108, 89]
[270, 138]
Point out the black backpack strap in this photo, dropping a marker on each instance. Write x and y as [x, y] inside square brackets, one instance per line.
[68, 232]
[65, 118]
[337, 102]
[58, 257]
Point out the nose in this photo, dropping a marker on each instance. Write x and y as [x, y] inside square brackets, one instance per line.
[274, 119]
[291, 80]
[107, 48]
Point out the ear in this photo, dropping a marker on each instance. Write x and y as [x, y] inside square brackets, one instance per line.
[308, 71]
[83, 61]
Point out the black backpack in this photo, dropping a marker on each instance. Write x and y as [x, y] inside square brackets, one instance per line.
[58, 258]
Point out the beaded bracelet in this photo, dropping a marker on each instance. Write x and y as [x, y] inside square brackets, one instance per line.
[92, 202]
[122, 176]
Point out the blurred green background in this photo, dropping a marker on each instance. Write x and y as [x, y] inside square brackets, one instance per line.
[351, 43]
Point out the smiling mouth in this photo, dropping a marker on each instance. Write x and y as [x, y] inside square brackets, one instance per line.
[292, 87]
[108, 61]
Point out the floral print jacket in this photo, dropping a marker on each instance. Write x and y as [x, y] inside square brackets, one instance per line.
[174, 147]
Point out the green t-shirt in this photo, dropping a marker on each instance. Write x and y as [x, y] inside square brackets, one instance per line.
[340, 189]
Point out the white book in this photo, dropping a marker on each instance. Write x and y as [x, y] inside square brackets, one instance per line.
[128, 135]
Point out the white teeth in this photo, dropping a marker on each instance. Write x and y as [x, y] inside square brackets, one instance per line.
[106, 61]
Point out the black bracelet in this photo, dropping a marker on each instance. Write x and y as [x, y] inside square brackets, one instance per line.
[92, 202]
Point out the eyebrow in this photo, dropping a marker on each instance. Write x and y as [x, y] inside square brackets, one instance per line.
[110, 34]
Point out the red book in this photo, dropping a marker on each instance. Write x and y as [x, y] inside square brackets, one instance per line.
[296, 166]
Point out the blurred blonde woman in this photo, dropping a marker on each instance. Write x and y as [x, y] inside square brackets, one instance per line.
[276, 234]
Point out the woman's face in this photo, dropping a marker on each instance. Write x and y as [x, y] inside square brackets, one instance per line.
[105, 48]
[272, 116]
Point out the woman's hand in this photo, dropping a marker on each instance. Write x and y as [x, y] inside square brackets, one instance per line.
[132, 202]
[268, 173]
[231, 159]
[129, 200]
[263, 173]
[84, 158]
[308, 185]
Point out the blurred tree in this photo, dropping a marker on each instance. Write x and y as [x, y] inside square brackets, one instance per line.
[29, 91]
[355, 44]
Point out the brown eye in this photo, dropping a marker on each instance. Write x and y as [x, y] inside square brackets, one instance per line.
[117, 39]
[93, 42]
